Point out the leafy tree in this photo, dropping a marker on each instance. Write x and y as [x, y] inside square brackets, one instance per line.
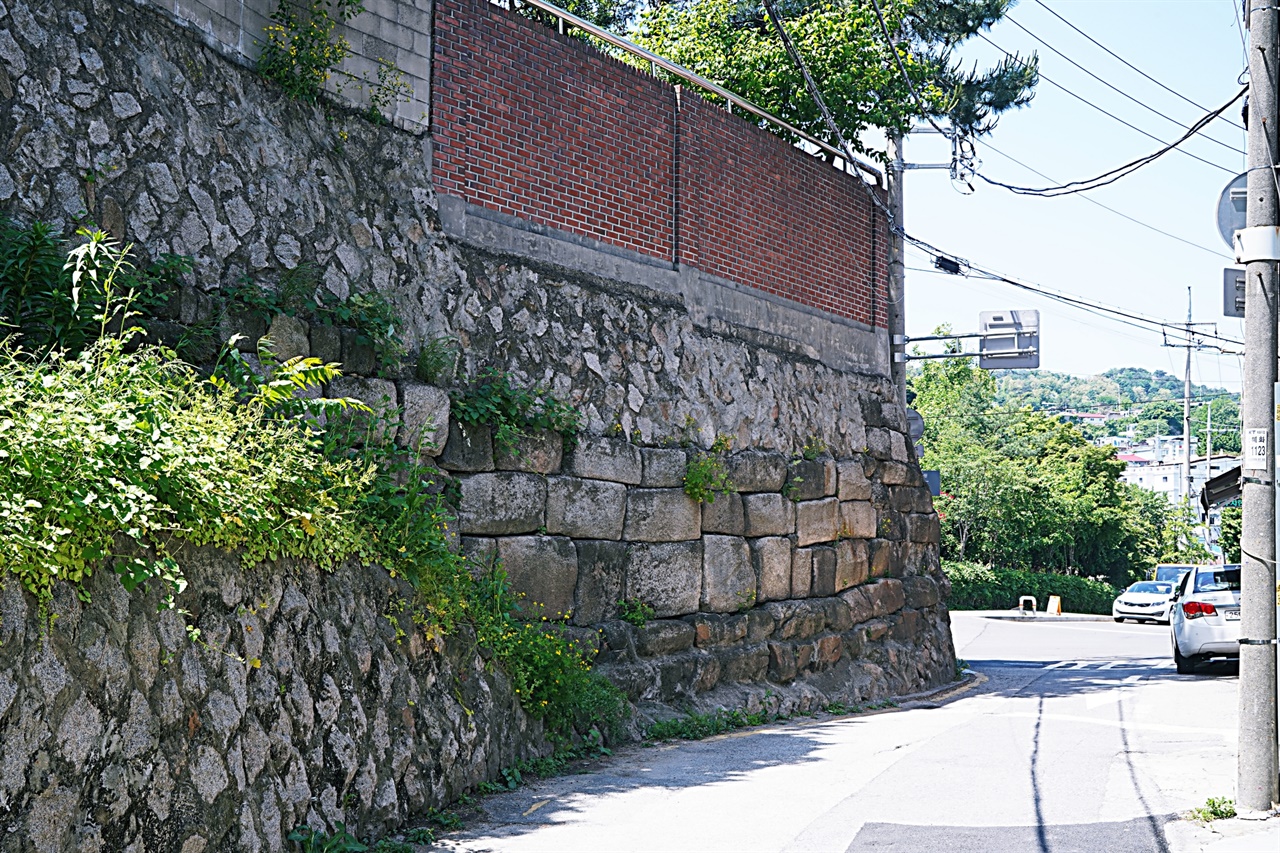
[733, 43]
[1230, 536]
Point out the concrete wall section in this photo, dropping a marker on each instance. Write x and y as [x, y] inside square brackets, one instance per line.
[394, 31]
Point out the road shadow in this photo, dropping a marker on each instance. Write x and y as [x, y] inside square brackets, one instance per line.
[725, 758]
[1012, 678]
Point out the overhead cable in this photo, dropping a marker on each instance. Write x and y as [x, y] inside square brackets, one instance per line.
[1192, 131]
[1113, 175]
[1133, 67]
[902, 69]
[1117, 89]
[1134, 220]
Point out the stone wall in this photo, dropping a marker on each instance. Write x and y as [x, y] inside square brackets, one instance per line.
[110, 111]
[299, 704]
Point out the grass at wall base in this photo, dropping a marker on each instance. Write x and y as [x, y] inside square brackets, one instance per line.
[116, 455]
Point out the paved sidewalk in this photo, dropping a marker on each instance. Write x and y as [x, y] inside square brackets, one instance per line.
[1224, 836]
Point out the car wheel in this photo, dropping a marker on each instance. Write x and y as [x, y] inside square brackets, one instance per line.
[1118, 618]
[1185, 665]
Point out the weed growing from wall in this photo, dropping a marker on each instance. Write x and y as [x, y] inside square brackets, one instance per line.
[706, 475]
[513, 412]
[303, 47]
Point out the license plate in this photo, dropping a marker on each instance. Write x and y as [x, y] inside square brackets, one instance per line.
[1231, 615]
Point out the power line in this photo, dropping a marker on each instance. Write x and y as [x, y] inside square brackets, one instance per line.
[1117, 89]
[1132, 219]
[902, 69]
[1119, 172]
[1196, 128]
[1133, 67]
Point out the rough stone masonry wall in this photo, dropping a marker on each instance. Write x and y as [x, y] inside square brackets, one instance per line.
[118, 733]
[110, 110]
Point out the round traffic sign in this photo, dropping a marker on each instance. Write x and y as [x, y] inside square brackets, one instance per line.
[1231, 207]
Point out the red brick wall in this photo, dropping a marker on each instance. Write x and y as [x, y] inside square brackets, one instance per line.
[542, 126]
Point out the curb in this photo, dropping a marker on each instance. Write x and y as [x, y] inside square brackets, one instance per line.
[1016, 616]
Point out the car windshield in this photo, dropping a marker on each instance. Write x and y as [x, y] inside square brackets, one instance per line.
[1157, 587]
[1223, 579]
[1171, 573]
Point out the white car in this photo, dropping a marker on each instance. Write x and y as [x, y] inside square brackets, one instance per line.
[1206, 616]
[1145, 601]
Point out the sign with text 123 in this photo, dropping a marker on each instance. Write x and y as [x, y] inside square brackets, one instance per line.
[1255, 449]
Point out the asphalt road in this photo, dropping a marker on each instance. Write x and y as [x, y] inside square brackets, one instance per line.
[1080, 737]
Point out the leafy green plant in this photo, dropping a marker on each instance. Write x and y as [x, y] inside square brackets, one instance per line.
[423, 834]
[389, 89]
[813, 448]
[437, 360]
[317, 841]
[706, 475]
[700, 726]
[978, 587]
[635, 611]
[373, 318]
[304, 47]
[1214, 808]
[389, 845]
[513, 412]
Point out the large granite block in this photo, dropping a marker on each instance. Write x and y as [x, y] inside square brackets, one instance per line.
[666, 575]
[537, 453]
[424, 418]
[661, 515]
[379, 425]
[502, 503]
[851, 477]
[728, 578]
[602, 579]
[768, 514]
[801, 572]
[585, 509]
[771, 558]
[810, 479]
[824, 572]
[857, 519]
[817, 521]
[723, 514]
[663, 468]
[600, 458]
[468, 448]
[757, 470]
[543, 573]
[851, 563]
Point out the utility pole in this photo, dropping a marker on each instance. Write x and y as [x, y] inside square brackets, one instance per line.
[895, 310]
[1257, 782]
[1186, 414]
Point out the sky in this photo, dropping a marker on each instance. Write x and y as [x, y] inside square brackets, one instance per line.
[1070, 244]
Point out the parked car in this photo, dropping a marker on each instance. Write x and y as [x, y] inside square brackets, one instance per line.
[1170, 572]
[1206, 616]
[1144, 601]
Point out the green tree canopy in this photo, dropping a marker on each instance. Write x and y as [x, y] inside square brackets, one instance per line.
[732, 43]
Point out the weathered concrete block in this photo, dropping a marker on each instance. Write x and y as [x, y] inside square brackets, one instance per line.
[817, 521]
[585, 509]
[920, 592]
[723, 515]
[851, 563]
[469, 447]
[538, 453]
[801, 572]
[661, 515]
[424, 418]
[757, 470]
[600, 458]
[666, 575]
[543, 570]
[713, 629]
[768, 514]
[771, 559]
[924, 528]
[379, 395]
[857, 519]
[852, 479]
[289, 338]
[602, 576]
[663, 468]
[824, 572]
[728, 579]
[664, 637]
[502, 503]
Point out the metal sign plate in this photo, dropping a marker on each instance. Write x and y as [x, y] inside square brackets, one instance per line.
[1233, 292]
[1010, 339]
[1231, 207]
